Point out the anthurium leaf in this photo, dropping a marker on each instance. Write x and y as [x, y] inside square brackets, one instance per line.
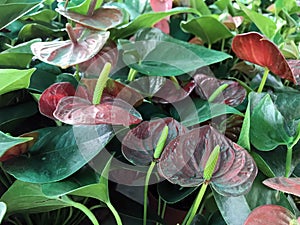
[21, 51]
[265, 25]
[184, 159]
[270, 215]
[24, 197]
[208, 28]
[147, 20]
[103, 18]
[12, 79]
[3, 209]
[198, 111]
[60, 152]
[267, 123]
[78, 111]
[81, 7]
[66, 53]
[233, 95]
[140, 142]
[148, 86]
[45, 15]
[200, 6]
[284, 184]
[14, 9]
[85, 176]
[157, 54]
[257, 49]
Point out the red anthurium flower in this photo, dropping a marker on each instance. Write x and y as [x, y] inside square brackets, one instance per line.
[255, 48]
[284, 184]
[184, 159]
[271, 215]
[159, 6]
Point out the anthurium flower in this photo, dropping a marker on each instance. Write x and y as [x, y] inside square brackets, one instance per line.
[140, 142]
[256, 48]
[271, 215]
[82, 46]
[159, 6]
[184, 159]
[288, 185]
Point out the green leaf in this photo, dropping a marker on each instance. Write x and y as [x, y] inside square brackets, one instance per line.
[157, 54]
[59, 152]
[267, 125]
[3, 209]
[147, 20]
[7, 142]
[45, 15]
[200, 6]
[198, 111]
[244, 138]
[264, 24]
[83, 7]
[12, 79]
[22, 52]
[11, 10]
[208, 28]
[24, 197]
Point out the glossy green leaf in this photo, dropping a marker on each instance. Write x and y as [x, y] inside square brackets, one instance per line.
[12, 79]
[22, 52]
[81, 6]
[45, 15]
[3, 209]
[198, 111]
[147, 20]
[13, 9]
[157, 54]
[200, 6]
[208, 28]
[266, 25]
[244, 138]
[267, 123]
[24, 197]
[59, 152]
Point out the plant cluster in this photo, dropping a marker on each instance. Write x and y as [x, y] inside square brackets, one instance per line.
[114, 112]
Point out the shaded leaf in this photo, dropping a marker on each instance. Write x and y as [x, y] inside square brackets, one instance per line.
[60, 152]
[12, 79]
[103, 18]
[184, 159]
[78, 111]
[233, 95]
[24, 197]
[14, 9]
[270, 215]
[284, 184]
[255, 48]
[208, 28]
[67, 53]
[157, 54]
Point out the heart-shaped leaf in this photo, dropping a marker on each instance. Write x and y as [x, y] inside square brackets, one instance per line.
[208, 28]
[284, 184]
[3, 209]
[271, 215]
[71, 52]
[233, 95]
[184, 159]
[93, 67]
[140, 142]
[257, 49]
[103, 18]
[60, 152]
[78, 111]
[157, 54]
[11, 79]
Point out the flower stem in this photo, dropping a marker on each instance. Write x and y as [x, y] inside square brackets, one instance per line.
[101, 83]
[131, 75]
[217, 92]
[71, 33]
[289, 154]
[115, 213]
[263, 80]
[91, 8]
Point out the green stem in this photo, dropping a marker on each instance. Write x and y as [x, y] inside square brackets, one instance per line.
[158, 208]
[115, 213]
[223, 45]
[69, 216]
[28, 219]
[131, 75]
[76, 75]
[289, 155]
[209, 46]
[263, 80]
[101, 83]
[163, 211]
[148, 175]
[217, 92]
[197, 203]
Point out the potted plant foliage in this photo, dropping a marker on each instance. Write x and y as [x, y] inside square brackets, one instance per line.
[118, 112]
